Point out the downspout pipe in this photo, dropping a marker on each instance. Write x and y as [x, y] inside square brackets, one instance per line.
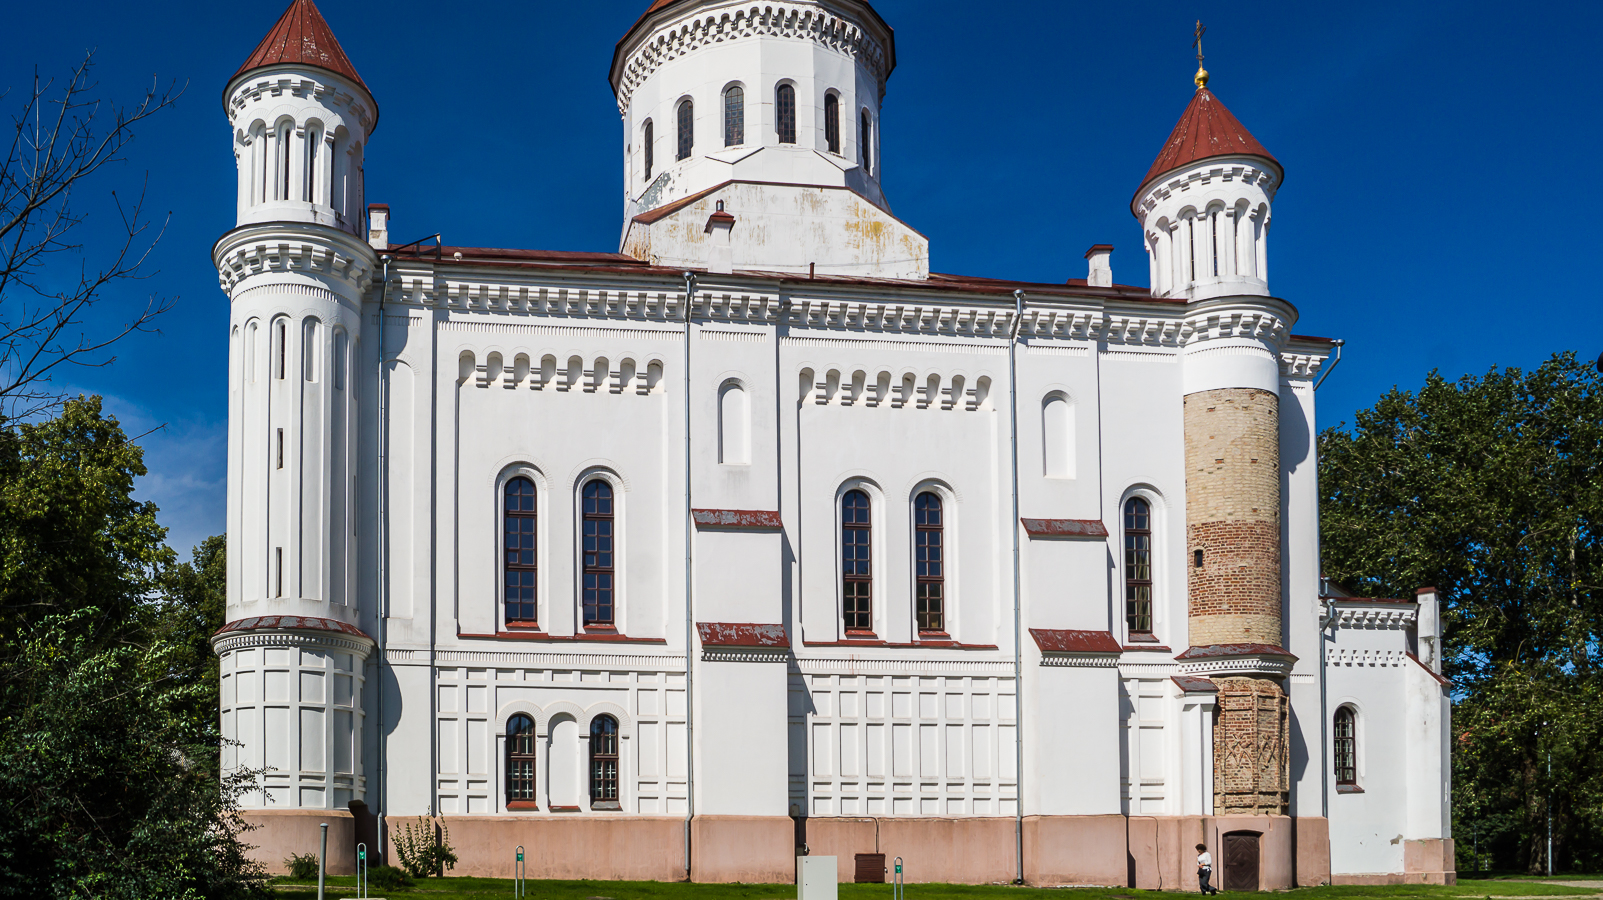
[1018, 620]
[381, 437]
[690, 624]
[1336, 362]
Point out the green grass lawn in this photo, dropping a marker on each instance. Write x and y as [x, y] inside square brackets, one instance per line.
[486, 888]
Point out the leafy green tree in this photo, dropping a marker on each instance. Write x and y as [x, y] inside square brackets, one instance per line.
[193, 606]
[109, 786]
[1489, 489]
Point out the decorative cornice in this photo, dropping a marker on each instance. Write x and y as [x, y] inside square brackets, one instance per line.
[321, 640]
[293, 248]
[1391, 617]
[308, 84]
[1301, 365]
[681, 37]
[1203, 172]
[857, 665]
[1241, 665]
[744, 654]
[1364, 657]
[1079, 660]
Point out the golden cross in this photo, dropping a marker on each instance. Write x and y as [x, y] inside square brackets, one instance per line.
[1197, 41]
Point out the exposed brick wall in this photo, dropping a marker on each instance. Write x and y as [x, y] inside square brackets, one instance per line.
[1251, 762]
[1232, 439]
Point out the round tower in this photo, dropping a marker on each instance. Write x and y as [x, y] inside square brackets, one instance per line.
[295, 269]
[716, 90]
[1204, 207]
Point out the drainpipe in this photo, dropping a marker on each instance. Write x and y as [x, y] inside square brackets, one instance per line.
[1336, 362]
[1018, 629]
[383, 579]
[690, 625]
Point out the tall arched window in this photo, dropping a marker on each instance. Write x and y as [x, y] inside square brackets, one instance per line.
[785, 113]
[865, 138]
[1138, 566]
[520, 762]
[1346, 737]
[687, 128]
[285, 129]
[832, 122]
[650, 140]
[604, 763]
[734, 116]
[518, 515]
[930, 539]
[314, 140]
[598, 553]
[857, 579]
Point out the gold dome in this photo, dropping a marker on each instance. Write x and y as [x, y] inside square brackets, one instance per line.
[1201, 78]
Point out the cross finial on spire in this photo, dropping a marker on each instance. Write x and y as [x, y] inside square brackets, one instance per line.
[1202, 74]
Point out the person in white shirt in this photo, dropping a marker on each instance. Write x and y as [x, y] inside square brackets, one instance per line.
[1205, 870]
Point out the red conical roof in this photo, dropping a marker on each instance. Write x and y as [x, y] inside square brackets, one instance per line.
[1205, 130]
[302, 36]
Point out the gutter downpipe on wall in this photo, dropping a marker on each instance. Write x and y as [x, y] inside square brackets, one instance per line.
[383, 580]
[1018, 629]
[690, 678]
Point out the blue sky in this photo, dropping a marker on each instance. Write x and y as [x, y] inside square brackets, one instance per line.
[1430, 152]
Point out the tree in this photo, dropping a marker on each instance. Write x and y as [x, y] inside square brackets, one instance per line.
[65, 136]
[193, 606]
[107, 720]
[1489, 489]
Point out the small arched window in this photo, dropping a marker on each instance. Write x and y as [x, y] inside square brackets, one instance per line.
[598, 554]
[314, 140]
[785, 113]
[1138, 566]
[832, 122]
[518, 515]
[857, 579]
[604, 763]
[687, 128]
[1346, 738]
[650, 140]
[285, 129]
[930, 562]
[734, 116]
[520, 762]
[865, 138]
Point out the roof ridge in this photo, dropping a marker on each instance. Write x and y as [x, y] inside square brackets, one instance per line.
[1206, 129]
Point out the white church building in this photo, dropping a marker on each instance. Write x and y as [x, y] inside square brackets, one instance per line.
[759, 537]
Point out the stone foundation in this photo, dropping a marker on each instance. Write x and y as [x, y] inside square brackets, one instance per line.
[281, 832]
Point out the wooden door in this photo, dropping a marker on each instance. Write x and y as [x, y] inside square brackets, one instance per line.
[1241, 861]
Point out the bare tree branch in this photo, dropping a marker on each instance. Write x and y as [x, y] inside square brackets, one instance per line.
[62, 139]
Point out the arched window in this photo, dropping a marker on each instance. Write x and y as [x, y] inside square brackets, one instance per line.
[604, 763]
[314, 140]
[1057, 436]
[1346, 737]
[865, 137]
[285, 129]
[734, 429]
[930, 540]
[598, 554]
[518, 514]
[1138, 566]
[520, 762]
[734, 116]
[687, 128]
[650, 140]
[832, 122]
[258, 163]
[785, 113]
[857, 588]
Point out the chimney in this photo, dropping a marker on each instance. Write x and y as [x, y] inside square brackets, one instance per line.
[1101, 273]
[378, 225]
[1428, 628]
[720, 252]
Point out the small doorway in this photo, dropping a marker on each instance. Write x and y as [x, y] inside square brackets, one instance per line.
[1241, 861]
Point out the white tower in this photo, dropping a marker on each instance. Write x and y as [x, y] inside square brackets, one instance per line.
[775, 111]
[295, 269]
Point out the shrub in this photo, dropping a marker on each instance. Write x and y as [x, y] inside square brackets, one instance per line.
[425, 849]
[302, 866]
[388, 878]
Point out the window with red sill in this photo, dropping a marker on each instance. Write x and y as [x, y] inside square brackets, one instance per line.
[1138, 566]
[1345, 731]
[599, 556]
[604, 763]
[857, 580]
[930, 563]
[520, 762]
[519, 561]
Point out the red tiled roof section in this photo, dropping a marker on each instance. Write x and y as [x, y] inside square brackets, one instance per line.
[741, 634]
[1206, 129]
[291, 623]
[302, 36]
[1059, 640]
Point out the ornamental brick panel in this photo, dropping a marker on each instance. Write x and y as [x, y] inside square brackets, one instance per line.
[1251, 765]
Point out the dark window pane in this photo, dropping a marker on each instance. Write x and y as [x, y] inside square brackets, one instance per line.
[785, 113]
[1138, 566]
[929, 548]
[598, 553]
[520, 758]
[734, 117]
[832, 122]
[651, 147]
[687, 123]
[519, 560]
[604, 762]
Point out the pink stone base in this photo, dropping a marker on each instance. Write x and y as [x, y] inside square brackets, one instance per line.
[1429, 861]
[1142, 852]
[281, 832]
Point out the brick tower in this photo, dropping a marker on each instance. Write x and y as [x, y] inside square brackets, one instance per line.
[1204, 207]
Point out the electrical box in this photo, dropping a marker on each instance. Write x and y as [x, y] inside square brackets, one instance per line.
[815, 878]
